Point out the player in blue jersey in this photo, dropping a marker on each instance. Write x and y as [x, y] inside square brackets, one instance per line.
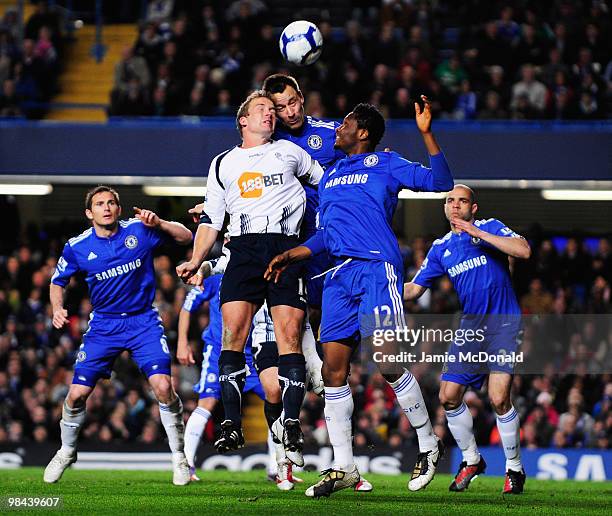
[357, 199]
[117, 258]
[317, 138]
[208, 387]
[474, 254]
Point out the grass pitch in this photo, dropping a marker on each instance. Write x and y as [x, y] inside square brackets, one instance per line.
[229, 493]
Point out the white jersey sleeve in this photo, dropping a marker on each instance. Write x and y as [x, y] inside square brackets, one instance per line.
[220, 264]
[214, 203]
[307, 168]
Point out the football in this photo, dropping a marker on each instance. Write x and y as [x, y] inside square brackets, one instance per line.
[301, 43]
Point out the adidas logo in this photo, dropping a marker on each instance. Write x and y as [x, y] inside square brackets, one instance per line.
[92, 256]
[447, 253]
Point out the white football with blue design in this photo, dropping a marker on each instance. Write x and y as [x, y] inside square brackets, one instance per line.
[301, 43]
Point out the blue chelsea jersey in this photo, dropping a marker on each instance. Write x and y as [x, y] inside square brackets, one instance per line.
[317, 138]
[358, 197]
[479, 271]
[210, 292]
[119, 269]
[212, 334]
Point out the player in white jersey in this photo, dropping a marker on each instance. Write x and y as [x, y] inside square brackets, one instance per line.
[258, 184]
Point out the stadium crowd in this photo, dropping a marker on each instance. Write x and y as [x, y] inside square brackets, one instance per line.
[30, 61]
[484, 60]
[556, 409]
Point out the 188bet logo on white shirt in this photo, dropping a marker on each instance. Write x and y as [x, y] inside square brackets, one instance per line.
[251, 184]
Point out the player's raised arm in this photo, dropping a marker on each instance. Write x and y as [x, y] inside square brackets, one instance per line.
[507, 242]
[417, 177]
[202, 244]
[177, 231]
[211, 222]
[423, 120]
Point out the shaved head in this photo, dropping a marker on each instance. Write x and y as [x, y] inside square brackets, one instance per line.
[466, 189]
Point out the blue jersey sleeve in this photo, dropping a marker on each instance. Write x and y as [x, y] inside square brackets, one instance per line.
[430, 269]
[67, 265]
[316, 243]
[156, 236]
[415, 176]
[497, 227]
[194, 300]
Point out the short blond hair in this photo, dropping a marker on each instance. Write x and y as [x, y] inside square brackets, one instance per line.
[243, 110]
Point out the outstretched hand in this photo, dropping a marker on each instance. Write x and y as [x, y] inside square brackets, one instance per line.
[423, 116]
[196, 211]
[276, 266]
[147, 217]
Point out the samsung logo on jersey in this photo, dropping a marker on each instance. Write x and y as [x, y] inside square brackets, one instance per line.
[119, 270]
[353, 179]
[467, 265]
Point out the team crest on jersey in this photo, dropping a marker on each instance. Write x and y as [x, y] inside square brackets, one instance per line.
[371, 160]
[81, 356]
[131, 242]
[315, 141]
[475, 240]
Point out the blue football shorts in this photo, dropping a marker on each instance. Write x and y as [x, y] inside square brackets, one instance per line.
[110, 335]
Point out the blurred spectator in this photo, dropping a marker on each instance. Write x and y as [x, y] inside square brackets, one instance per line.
[531, 89]
[492, 109]
[576, 424]
[159, 11]
[9, 101]
[466, 102]
[131, 66]
[537, 300]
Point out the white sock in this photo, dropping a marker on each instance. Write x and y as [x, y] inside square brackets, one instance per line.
[309, 349]
[272, 451]
[70, 426]
[338, 412]
[509, 426]
[461, 425]
[411, 400]
[193, 432]
[172, 419]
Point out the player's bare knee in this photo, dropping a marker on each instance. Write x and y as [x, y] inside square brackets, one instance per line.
[162, 388]
[208, 403]
[77, 396]
[289, 339]
[449, 402]
[334, 376]
[391, 377]
[500, 403]
[273, 393]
